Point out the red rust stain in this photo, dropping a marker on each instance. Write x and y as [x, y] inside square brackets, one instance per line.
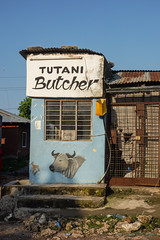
[155, 76]
[128, 77]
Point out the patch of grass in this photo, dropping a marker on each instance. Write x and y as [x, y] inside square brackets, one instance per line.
[111, 228]
[129, 190]
[150, 226]
[134, 218]
[121, 193]
[152, 200]
[100, 218]
[94, 225]
[156, 222]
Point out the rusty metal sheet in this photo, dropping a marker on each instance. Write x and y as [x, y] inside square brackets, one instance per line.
[127, 77]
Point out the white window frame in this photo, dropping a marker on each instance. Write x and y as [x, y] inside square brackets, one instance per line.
[24, 139]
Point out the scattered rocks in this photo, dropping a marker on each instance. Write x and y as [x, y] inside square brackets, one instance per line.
[35, 222]
[56, 228]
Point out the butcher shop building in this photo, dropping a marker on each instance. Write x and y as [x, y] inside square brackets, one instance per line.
[90, 123]
[67, 87]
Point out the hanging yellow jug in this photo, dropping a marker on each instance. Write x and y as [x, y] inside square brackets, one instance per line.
[101, 108]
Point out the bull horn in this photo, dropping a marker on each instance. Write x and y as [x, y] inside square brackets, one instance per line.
[54, 154]
[71, 156]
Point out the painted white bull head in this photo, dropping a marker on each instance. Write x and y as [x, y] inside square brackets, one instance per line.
[66, 164]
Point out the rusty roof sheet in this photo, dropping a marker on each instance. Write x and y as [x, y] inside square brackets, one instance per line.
[62, 50]
[130, 77]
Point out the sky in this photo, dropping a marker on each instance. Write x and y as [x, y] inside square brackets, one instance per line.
[125, 31]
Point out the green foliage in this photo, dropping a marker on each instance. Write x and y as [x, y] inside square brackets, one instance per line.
[93, 225]
[25, 108]
[101, 218]
[134, 218]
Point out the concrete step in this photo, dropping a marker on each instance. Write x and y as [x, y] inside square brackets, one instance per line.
[97, 190]
[60, 196]
[58, 212]
[59, 201]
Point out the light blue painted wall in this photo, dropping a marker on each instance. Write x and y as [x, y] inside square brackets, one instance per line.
[40, 150]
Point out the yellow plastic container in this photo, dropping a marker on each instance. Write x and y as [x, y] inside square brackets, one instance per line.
[101, 108]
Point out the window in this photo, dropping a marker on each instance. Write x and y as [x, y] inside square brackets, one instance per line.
[24, 139]
[68, 120]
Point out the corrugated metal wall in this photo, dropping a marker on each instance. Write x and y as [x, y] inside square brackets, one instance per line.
[135, 142]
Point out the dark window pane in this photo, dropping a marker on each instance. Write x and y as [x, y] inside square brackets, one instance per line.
[68, 127]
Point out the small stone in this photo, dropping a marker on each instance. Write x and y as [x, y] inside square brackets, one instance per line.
[87, 221]
[92, 230]
[100, 231]
[77, 234]
[68, 226]
[86, 232]
[126, 219]
[118, 234]
[139, 233]
[77, 223]
[109, 234]
[56, 238]
[150, 234]
[37, 215]
[128, 227]
[42, 219]
[35, 228]
[144, 218]
[132, 235]
[85, 226]
[47, 232]
[98, 222]
[106, 226]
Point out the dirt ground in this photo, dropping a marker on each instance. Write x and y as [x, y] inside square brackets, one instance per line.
[130, 205]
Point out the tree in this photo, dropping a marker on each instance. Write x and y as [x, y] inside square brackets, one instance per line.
[25, 108]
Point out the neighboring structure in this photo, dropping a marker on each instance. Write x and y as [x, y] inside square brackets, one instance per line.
[67, 137]
[135, 127]
[69, 142]
[15, 135]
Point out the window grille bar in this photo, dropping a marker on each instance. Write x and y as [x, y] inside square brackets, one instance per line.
[66, 115]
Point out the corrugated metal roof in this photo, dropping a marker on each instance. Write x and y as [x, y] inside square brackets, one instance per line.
[8, 117]
[128, 77]
[62, 50]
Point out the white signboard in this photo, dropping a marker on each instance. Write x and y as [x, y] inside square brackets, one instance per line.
[66, 75]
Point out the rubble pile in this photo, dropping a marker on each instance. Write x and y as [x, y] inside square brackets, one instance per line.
[62, 227]
[53, 227]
